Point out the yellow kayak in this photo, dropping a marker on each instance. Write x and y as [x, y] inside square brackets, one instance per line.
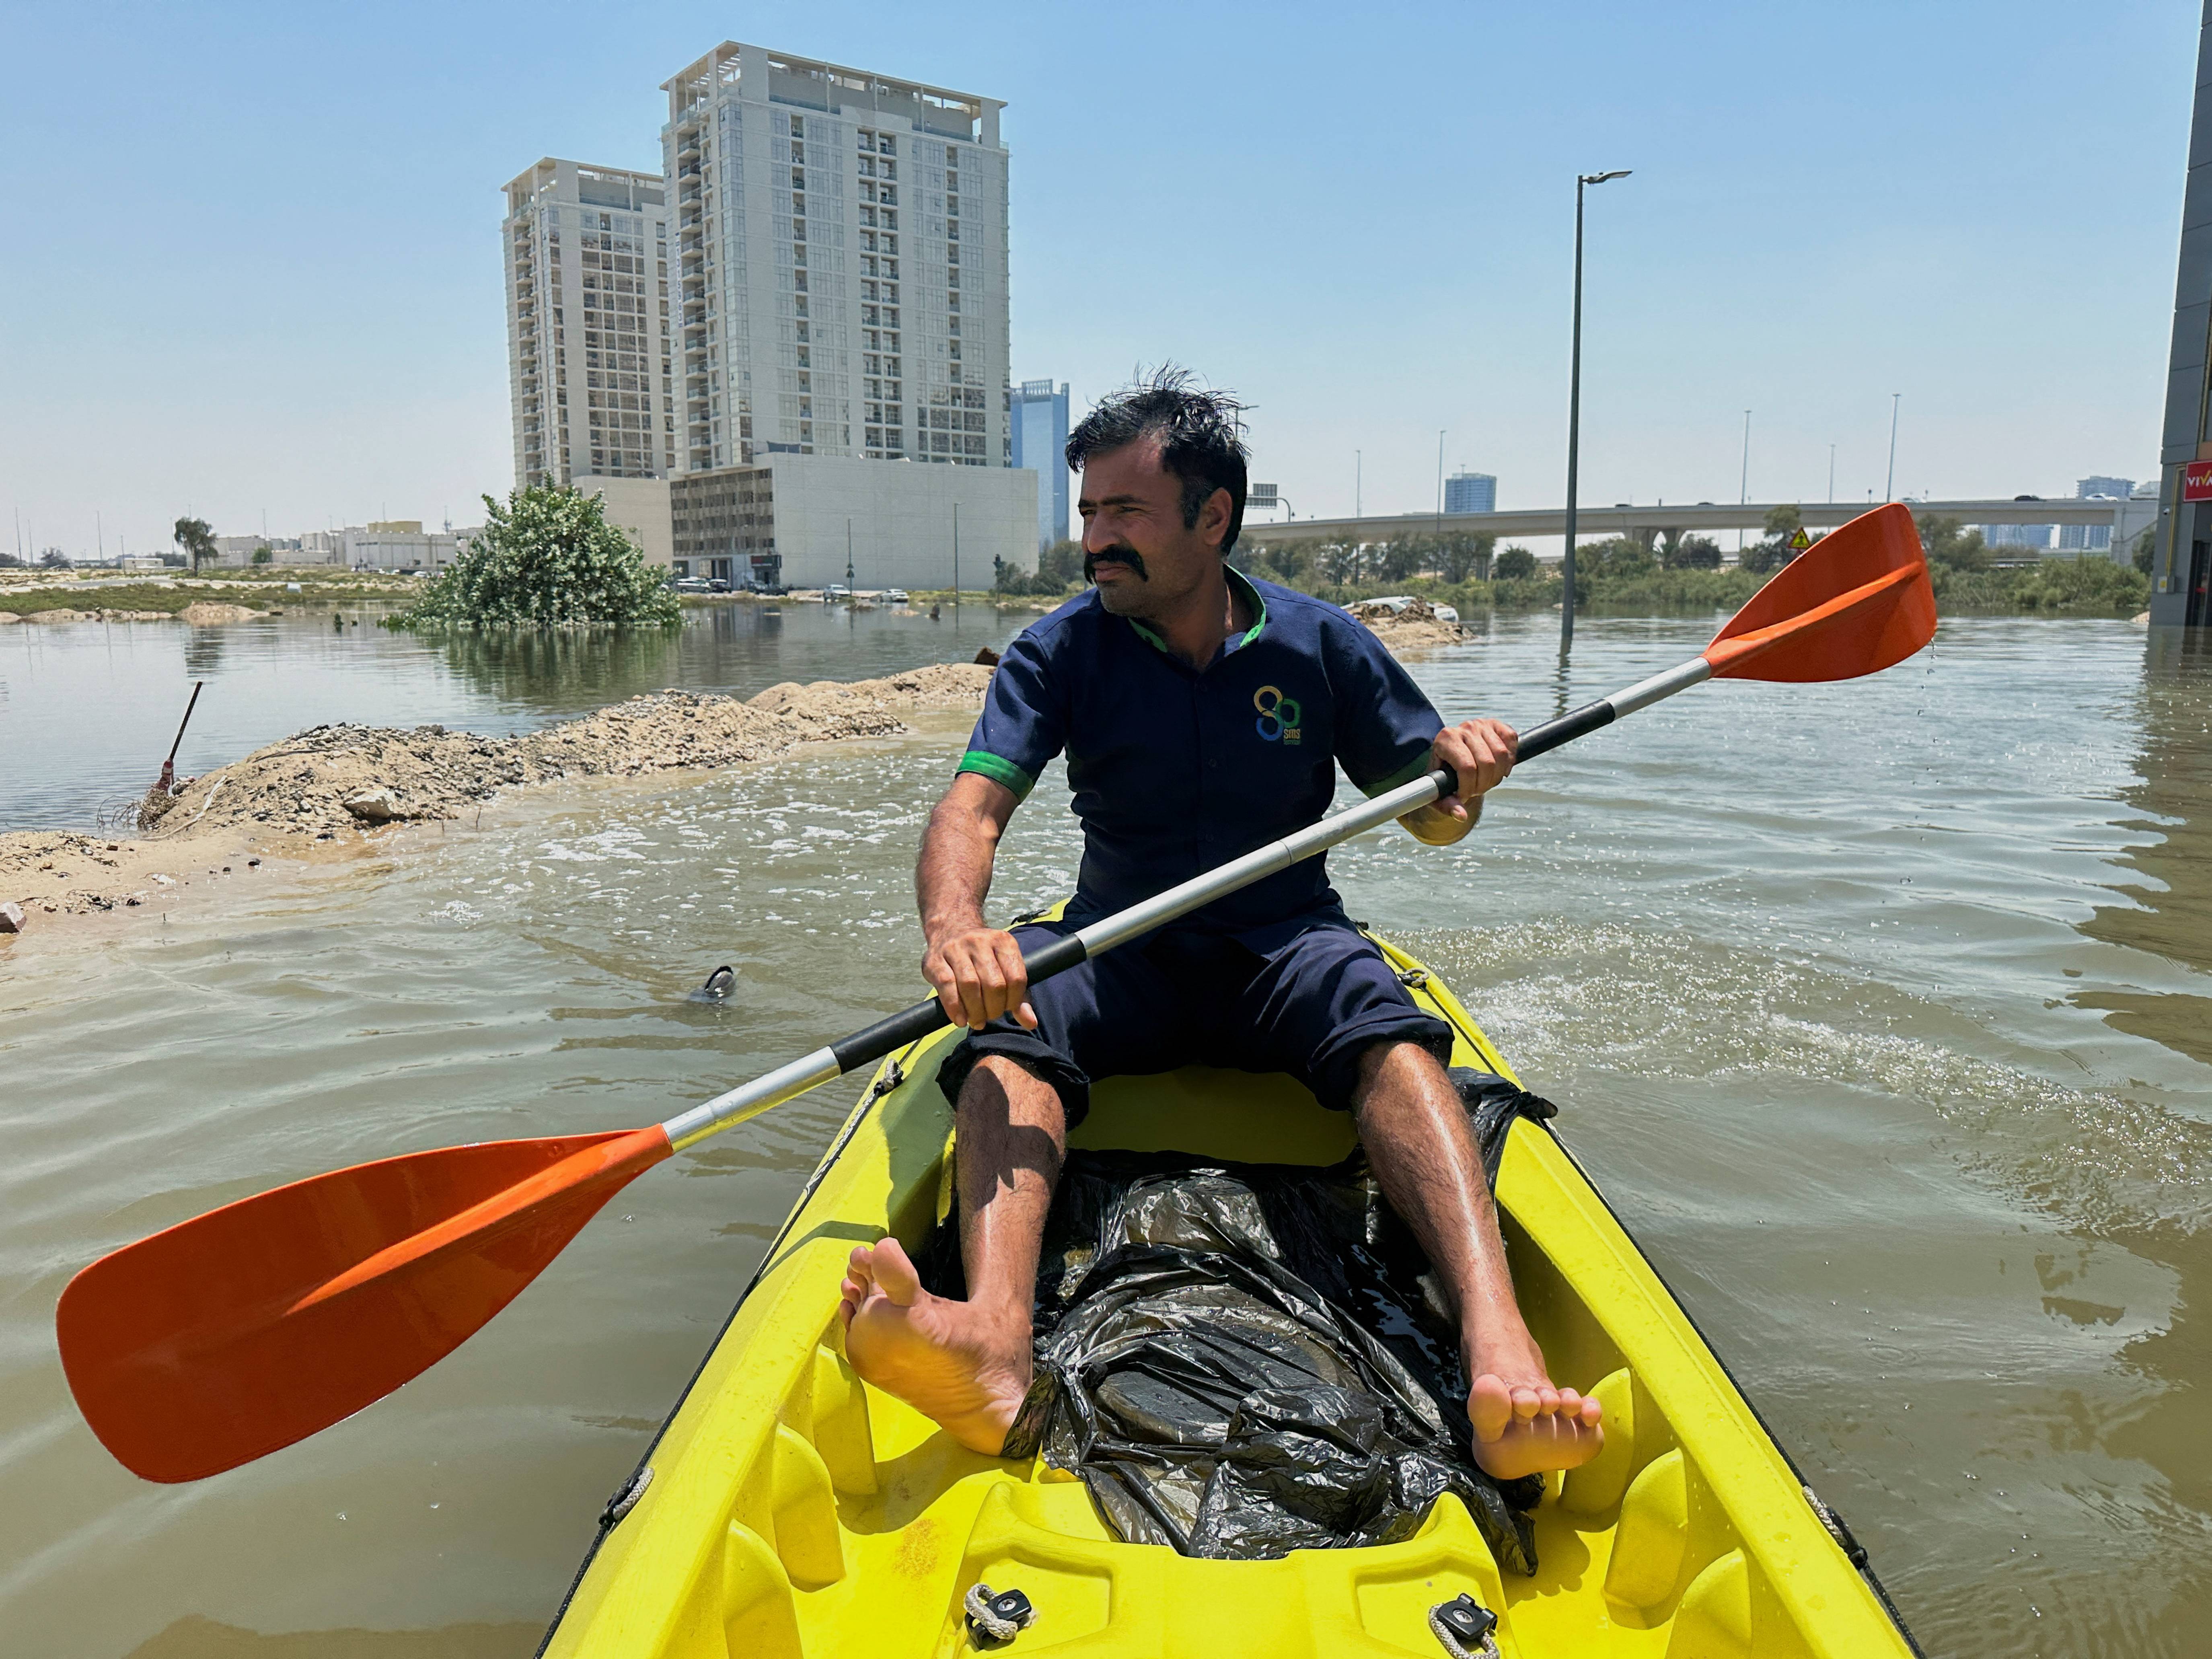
[788, 1508]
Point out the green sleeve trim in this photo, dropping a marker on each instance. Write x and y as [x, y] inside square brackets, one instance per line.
[986, 764]
[1418, 767]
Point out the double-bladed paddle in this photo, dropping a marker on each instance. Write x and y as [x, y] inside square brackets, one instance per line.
[223, 1338]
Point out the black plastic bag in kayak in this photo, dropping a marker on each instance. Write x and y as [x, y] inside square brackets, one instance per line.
[1240, 1360]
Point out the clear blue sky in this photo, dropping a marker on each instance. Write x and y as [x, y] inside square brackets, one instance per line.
[251, 263]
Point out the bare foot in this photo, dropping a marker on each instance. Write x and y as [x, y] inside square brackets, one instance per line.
[943, 1357]
[1522, 1425]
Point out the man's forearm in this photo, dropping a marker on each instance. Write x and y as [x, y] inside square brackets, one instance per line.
[953, 875]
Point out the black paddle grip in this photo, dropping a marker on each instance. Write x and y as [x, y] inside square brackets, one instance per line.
[1576, 723]
[872, 1043]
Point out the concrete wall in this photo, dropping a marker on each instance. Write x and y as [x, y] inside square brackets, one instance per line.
[900, 517]
[639, 509]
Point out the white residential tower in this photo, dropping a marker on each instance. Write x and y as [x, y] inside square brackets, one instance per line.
[592, 377]
[840, 253]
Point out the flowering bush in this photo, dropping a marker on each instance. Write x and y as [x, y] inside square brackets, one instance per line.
[547, 556]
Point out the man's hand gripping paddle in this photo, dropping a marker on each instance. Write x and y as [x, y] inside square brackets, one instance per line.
[225, 1337]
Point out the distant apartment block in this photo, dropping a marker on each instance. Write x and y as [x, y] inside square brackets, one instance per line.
[1038, 416]
[841, 265]
[591, 373]
[2022, 536]
[1471, 492]
[2094, 538]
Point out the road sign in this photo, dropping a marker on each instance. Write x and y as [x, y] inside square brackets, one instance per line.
[2197, 482]
[1259, 495]
[1801, 541]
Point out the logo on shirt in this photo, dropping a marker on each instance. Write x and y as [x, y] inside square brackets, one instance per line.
[1278, 714]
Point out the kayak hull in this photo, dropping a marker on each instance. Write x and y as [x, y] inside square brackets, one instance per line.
[792, 1510]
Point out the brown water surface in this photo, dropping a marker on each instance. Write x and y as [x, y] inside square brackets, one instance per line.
[1880, 1010]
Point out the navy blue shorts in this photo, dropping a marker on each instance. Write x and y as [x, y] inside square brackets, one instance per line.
[1309, 1007]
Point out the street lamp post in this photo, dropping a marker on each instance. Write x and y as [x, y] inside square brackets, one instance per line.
[1573, 411]
[1440, 479]
[1743, 489]
[1889, 484]
[1358, 477]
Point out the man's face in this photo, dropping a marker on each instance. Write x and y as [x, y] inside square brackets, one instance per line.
[1135, 545]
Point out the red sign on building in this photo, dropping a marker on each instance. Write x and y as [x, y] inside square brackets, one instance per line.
[2197, 482]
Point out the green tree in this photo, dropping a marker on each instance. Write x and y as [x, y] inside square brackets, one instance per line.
[2146, 549]
[1340, 561]
[263, 554]
[197, 538]
[1407, 556]
[54, 559]
[1680, 552]
[1060, 564]
[1948, 542]
[1287, 562]
[1514, 564]
[1463, 555]
[1784, 522]
[547, 555]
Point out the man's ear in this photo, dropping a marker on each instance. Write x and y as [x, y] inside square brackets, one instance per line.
[1213, 518]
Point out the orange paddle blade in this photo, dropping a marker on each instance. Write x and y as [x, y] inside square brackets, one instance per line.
[1854, 602]
[230, 1335]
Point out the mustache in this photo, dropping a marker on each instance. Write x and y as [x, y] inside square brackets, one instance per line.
[1128, 555]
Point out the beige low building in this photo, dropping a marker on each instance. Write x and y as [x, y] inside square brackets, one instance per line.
[803, 521]
[639, 509]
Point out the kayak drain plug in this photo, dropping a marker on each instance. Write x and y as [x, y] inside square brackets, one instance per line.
[1464, 1625]
[994, 1620]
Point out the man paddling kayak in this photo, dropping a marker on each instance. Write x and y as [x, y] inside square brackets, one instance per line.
[1202, 714]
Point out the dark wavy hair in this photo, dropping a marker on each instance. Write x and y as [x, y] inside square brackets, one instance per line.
[1200, 434]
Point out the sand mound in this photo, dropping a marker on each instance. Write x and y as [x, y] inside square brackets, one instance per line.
[315, 786]
[1412, 627]
[303, 786]
[203, 612]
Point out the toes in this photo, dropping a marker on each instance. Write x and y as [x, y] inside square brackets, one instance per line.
[1570, 1403]
[1490, 1408]
[1525, 1402]
[1592, 1413]
[861, 1264]
[1548, 1400]
[895, 1273]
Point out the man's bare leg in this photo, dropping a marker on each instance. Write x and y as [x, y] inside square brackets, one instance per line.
[966, 1366]
[1423, 1151]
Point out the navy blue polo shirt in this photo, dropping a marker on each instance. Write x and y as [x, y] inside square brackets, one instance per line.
[1177, 770]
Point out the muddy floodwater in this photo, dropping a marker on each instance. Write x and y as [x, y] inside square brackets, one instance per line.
[1882, 1011]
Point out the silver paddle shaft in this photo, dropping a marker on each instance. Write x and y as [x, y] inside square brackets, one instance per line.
[863, 1048]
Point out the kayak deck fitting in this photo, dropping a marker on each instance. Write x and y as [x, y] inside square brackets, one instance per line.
[788, 1508]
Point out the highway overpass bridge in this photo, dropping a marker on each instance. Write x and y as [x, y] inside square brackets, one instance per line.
[2126, 520]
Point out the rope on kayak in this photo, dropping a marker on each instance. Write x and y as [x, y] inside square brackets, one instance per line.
[999, 1618]
[1466, 1628]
